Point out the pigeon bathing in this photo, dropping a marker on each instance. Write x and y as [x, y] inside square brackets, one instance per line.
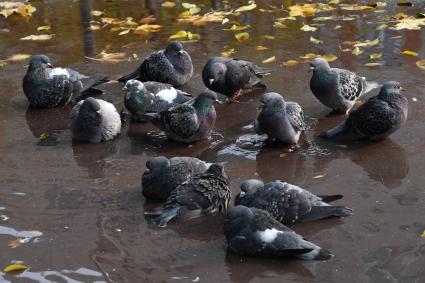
[172, 65]
[48, 87]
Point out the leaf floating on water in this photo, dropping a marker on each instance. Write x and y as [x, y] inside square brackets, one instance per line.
[410, 23]
[44, 28]
[329, 57]
[373, 64]
[246, 8]
[193, 36]
[279, 25]
[337, 27]
[324, 18]
[15, 267]
[421, 64]
[404, 3]
[423, 234]
[178, 35]
[9, 8]
[124, 32]
[260, 48]
[290, 63]
[357, 51]
[147, 20]
[94, 27]
[355, 7]
[318, 176]
[283, 154]
[229, 52]
[109, 57]
[270, 37]
[18, 57]
[409, 53]
[269, 60]
[44, 136]
[39, 37]
[198, 20]
[238, 27]
[419, 15]
[308, 28]
[309, 56]
[168, 4]
[242, 36]
[96, 13]
[315, 41]
[306, 10]
[367, 43]
[149, 28]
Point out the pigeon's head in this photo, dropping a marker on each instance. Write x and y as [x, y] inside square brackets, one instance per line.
[214, 73]
[90, 112]
[272, 101]
[391, 87]
[133, 85]
[248, 190]
[319, 64]
[40, 61]
[207, 98]
[157, 162]
[216, 169]
[236, 219]
[174, 48]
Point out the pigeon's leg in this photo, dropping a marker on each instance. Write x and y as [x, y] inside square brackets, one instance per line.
[233, 98]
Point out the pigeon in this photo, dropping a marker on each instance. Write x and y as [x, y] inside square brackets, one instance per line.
[253, 232]
[171, 65]
[189, 122]
[163, 175]
[48, 87]
[280, 120]
[230, 76]
[208, 192]
[94, 120]
[376, 119]
[335, 88]
[154, 97]
[288, 203]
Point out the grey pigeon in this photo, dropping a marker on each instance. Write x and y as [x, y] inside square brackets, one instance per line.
[231, 77]
[208, 192]
[376, 119]
[154, 97]
[163, 175]
[280, 120]
[335, 88]
[48, 87]
[188, 122]
[253, 232]
[94, 120]
[172, 65]
[288, 203]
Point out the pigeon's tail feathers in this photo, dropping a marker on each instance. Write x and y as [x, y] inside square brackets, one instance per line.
[150, 116]
[93, 81]
[341, 133]
[133, 75]
[330, 198]
[322, 212]
[169, 214]
[262, 70]
[370, 85]
[316, 254]
[183, 93]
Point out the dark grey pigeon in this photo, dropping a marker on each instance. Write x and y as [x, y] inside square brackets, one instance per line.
[48, 87]
[335, 88]
[163, 175]
[253, 232]
[172, 65]
[280, 120]
[153, 97]
[204, 193]
[188, 122]
[231, 77]
[94, 120]
[376, 119]
[288, 203]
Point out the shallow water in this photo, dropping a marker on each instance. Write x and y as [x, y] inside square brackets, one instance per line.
[85, 200]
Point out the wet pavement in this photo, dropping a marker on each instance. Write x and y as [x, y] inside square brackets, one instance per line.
[79, 207]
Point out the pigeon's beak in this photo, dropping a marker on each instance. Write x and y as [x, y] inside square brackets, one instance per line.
[49, 65]
[180, 52]
[217, 102]
[311, 69]
[402, 89]
[125, 87]
[211, 81]
[261, 106]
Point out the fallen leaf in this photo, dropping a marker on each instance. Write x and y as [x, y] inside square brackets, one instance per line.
[324, 18]
[290, 63]
[246, 8]
[315, 41]
[329, 57]
[199, 20]
[225, 20]
[242, 36]
[41, 28]
[318, 176]
[238, 27]
[14, 267]
[124, 32]
[308, 28]
[147, 20]
[179, 35]
[373, 64]
[409, 53]
[423, 234]
[9, 8]
[419, 15]
[375, 55]
[38, 37]
[270, 37]
[309, 56]
[382, 26]
[229, 52]
[410, 23]
[337, 27]
[193, 36]
[168, 4]
[94, 27]
[269, 60]
[305, 10]
[149, 28]
[283, 154]
[109, 57]
[96, 13]
[355, 7]
[404, 3]
[260, 48]
[421, 64]
[367, 43]
[357, 51]
[279, 25]
[18, 57]
[110, 21]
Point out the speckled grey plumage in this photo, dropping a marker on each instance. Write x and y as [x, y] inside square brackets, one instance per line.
[171, 65]
[229, 76]
[280, 120]
[253, 232]
[94, 120]
[48, 87]
[335, 88]
[163, 175]
[376, 119]
[188, 122]
[208, 192]
[140, 98]
[288, 203]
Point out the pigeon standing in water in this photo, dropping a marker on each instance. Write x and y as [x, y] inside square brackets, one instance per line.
[172, 65]
[208, 192]
[280, 120]
[163, 175]
[288, 203]
[231, 77]
[48, 87]
[253, 232]
[335, 88]
[148, 97]
[94, 120]
[376, 119]
[188, 122]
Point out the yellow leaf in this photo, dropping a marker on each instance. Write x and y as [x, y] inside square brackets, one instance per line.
[237, 27]
[225, 20]
[38, 37]
[399, 16]
[179, 35]
[229, 52]
[149, 28]
[354, 7]
[43, 28]
[94, 27]
[246, 8]
[242, 36]
[14, 267]
[409, 53]
[270, 37]
[373, 64]
[404, 3]
[260, 48]
[375, 55]
[318, 176]
[269, 60]
[290, 63]
[308, 28]
[421, 64]
[198, 20]
[109, 57]
[357, 51]
[110, 21]
[309, 56]
[337, 27]
[305, 10]
[410, 23]
[423, 234]
[2, 63]
[18, 57]
[279, 25]
[9, 8]
[96, 13]
[329, 57]
[283, 154]
[315, 41]
[382, 26]
[193, 36]
[367, 43]
[168, 4]
[324, 18]
[124, 32]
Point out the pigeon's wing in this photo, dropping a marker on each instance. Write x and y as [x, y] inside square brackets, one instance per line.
[189, 196]
[239, 76]
[75, 110]
[180, 120]
[375, 117]
[155, 87]
[215, 189]
[156, 67]
[350, 85]
[295, 115]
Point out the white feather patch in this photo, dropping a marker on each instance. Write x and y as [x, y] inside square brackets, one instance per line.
[268, 235]
[59, 72]
[167, 94]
